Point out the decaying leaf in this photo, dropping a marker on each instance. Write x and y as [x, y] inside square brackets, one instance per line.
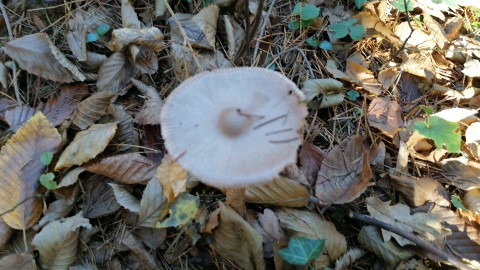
[71, 177]
[236, 240]
[21, 168]
[135, 245]
[91, 109]
[23, 261]
[56, 210]
[125, 199]
[114, 73]
[345, 173]
[427, 225]
[153, 206]
[86, 145]
[313, 88]
[338, 74]
[365, 76]
[437, 30]
[126, 135]
[472, 68]
[387, 77]
[472, 139]
[37, 54]
[129, 16]
[130, 168]
[100, 200]
[347, 259]
[235, 35]
[386, 115]
[268, 226]
[192, 30]
[148, 115]
[5, 233]
[182, 210]
[466, 173]
[172, 177]
[313, 226]
[144, 58]
[279, 192]
[471, 200]
[17, 116]
[206, 19]
[311, 158]
[150, 37]
[418, 191]
[57, 242]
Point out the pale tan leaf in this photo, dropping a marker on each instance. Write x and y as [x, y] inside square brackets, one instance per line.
[126, 135]
[345, 173]
[371, 22]
[371, 238]
[130, 168]
[36, 54]
[464, 173]
[71, 177]
[3, 76]
[386, 115]
[206, 19]
[160, 8]
[236, 240]
[91, 109]
[21, 168]
[86, 145]
[148, 115]
[57, 242]
[56, 210]
[437, 30]
[5, 233]
[125, 199]
[471, 200]
[144, 58]
[365, 76]
[463, 115]
[338, 74]
[279, 192]
[472, 139]
[122, 37]
[472, 68]
[153, 206]
[417, 191]
[235, 35]
[387, 77]
[129, 16]
[114, 73]
[315, 87]
[172, 177]
[313, 226]
[347, 259]
[428, 225]
[416, 39]
[268, 226]
[94, 61]
[196, 37]
[77, 43]
[22, 261]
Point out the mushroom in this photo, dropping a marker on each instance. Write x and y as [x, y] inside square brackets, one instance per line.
[234, 127]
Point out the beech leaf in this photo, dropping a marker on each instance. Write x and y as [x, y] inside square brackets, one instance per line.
[153, 206]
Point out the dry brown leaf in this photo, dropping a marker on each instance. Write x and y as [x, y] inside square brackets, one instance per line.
[418, 191]
[94, 61]
[56, 210]
[57, 242]
[472, 68]
[21, 168]
[410, 89]
[125, 199]
[325, 87]
[172, 177]
[268, 226]
[371, 22]
[100, 200]
[6, 104]
[126, 135]
[17, 116]
[236, 240]
[347, 259]
[148, 115]
[114, 73]
[22, 261]
[313, 226]
[206, 20]
[466, 173]
[160, 8]
[386, 115]
[428, 225]
[130, 168]
[136, 247]
[416, 39]
[279, 192]
[151, 237]
[5, 233]
[345, 173]
[471, 200]
[71, 177]
[77, 43]
[91, 109]
[332, 68]
[365, 76]
[195, 35]
[151, 37]
[235, 35]
[86, 145]
[129, 16]
[36, 54]
[144, 58]
[311, 158]
[153, 206]
[387, 77]
[437, 30]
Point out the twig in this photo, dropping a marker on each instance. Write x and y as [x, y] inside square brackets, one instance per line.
[413, 238]
[14, 67]
[263, 29]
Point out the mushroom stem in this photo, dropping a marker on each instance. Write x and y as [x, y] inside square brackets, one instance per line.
[236, 200]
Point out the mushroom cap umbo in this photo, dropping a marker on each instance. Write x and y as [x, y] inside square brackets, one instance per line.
[234, 127]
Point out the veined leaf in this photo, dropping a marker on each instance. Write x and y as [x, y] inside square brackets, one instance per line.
[442, 132]
[301, 250]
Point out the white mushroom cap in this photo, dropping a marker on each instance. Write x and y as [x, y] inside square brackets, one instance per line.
[234, 127]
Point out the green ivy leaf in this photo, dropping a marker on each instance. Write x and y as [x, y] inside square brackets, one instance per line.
[357, 32]
[353, 95]
[301, 250]
[339, 30]
[360, 3]
[102, 29]
[46, 179]
[442, 132]
[294, 25]
[92, 37]
[182, 210]
[306, 11]
[46, 158]
[313, 42]
[458, 203]
[400, 5]
[326, 45]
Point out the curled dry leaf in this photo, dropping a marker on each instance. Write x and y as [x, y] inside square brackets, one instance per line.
[347, 259]
[56, 210]
[345, 173]
[126, 135]
[71, 177]
[387, 77]
[313, 88]
[311, 158]
[172, 177]
[365, 76]
[237, 241]
[312, 226]
[23, 261]
[125, 199]
[94, 61]
[86, 145]
[418, 191]
[466, 173]
[235, 35]
[57, 242]
[279, 192]
[160, 8]
[416, 39]
[148, 115]
[332, 68]
[91, 109]
[370, 21]
[206, 20]
[371, 238]
[21, 168]
[130, 168]
[386, 115]
[153, 206]
[144, 58]
[428, 225]
[150, 37]
[437, 31]
[268, 226]
[114, 73]
[195, 35]
[471, 200]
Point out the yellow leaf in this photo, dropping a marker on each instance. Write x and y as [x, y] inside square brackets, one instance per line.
[21, 168]
[172, 177]
[86, 145]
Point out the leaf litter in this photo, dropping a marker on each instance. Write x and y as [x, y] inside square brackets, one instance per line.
[387, 174]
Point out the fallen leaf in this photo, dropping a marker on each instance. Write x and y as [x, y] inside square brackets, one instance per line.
[268, 226]
[126, 135]
[86, 145]
[324, 87]
[150, 37]
[91, 109]
[71, 177]
[471, 200]
[345, 173]
[472, 68]
[437, 31]
[57, 242]
[206, 19]
[441, 131]
[172, 177]
[237, 241]
[37, 54]
[465, 172]
[148, 115]
[386, 115]
[387, 77]
[129, 16]
[5, 233]
[365, 76]
[418, 191]
[279, 192]
[23, 261]
[182, 210]
[144, 58]
[100, 200]
[301, 250]
[196, 37]
[151, 237]
[114, 73]
[153, 206]
[130, 168]
[138, 249]
[332, 68]
[125, 199]
[17, 116]
[235, 35]
[311, 158]
[56, 210]
[21, 168]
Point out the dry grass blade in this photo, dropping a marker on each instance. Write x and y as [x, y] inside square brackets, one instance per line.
[91, 109]
[21, 168]
[280, 192]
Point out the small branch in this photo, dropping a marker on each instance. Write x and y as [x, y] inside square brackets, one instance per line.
[413, 238]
